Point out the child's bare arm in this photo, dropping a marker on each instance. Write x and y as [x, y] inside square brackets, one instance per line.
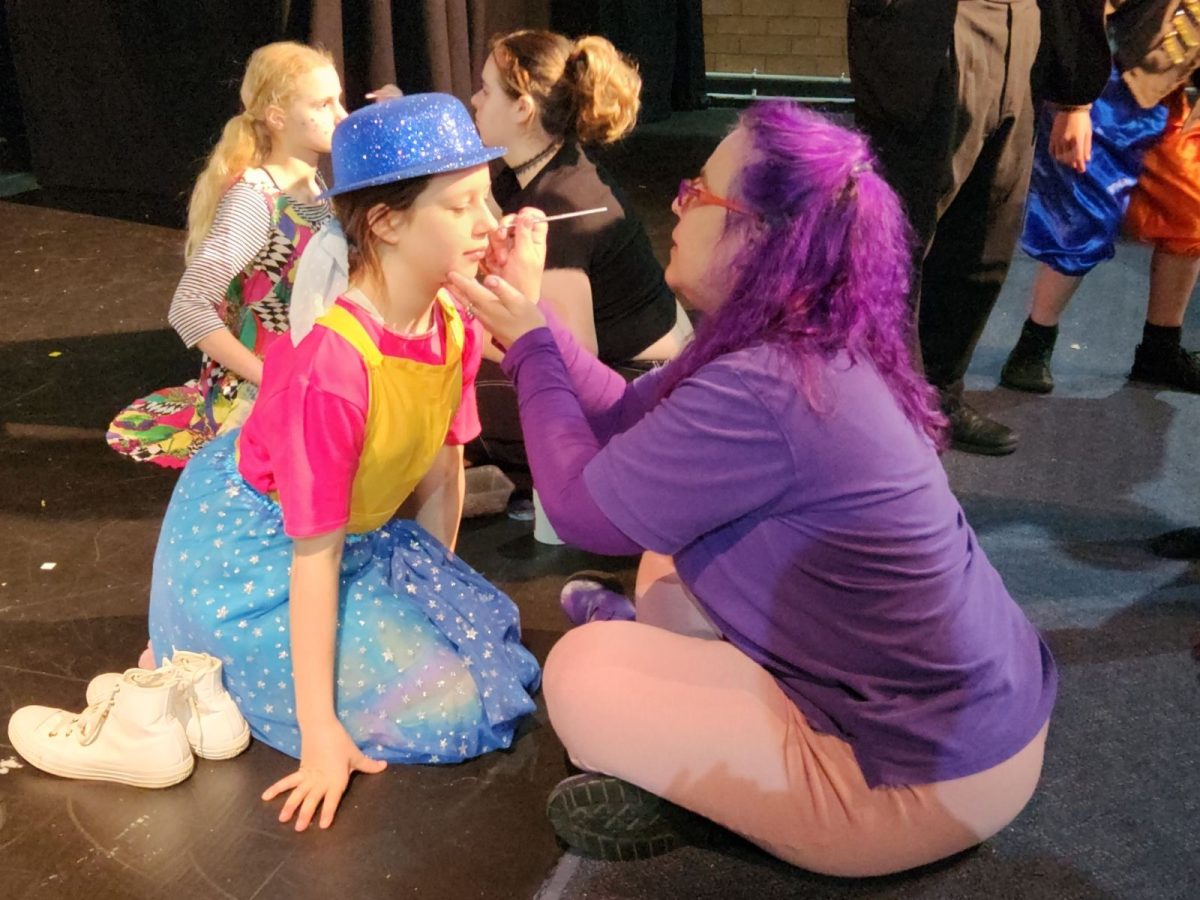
[328, 755]
[232, 354]
[437, 500]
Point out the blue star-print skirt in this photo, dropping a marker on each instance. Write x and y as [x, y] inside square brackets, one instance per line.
[430, 667]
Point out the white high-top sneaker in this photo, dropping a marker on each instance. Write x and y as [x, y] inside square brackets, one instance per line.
[214, 726]
[132, 736]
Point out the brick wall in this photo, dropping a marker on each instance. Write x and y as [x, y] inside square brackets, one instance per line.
[779, 37]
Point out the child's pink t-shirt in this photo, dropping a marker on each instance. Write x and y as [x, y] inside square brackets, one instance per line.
[304, 438]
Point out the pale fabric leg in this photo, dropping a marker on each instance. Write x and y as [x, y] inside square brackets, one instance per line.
[663, 601]
[698, 722]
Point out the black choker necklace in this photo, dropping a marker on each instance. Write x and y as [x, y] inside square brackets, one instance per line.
[550, 149]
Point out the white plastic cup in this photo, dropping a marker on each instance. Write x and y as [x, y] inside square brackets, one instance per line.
[543, 531]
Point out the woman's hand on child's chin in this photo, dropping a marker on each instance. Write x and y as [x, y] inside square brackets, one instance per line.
[503, 311]
[328, 756]
[517, 251]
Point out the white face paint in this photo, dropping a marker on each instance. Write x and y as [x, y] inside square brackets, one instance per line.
[314, 112]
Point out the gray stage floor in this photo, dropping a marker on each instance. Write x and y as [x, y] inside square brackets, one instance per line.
[1103, 467]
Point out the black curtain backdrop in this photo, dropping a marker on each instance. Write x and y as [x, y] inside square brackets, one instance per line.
[126, 95]
[14, 151]
[441, 45]
[130, 95]
[666, 37]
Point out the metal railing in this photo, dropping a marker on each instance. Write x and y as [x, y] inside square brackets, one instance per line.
[757, 78]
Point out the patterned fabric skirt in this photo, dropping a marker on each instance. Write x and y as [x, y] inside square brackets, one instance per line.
[429, 664]
[168, 427]
[1072, 220]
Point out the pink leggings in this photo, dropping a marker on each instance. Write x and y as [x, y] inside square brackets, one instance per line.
[666, 704]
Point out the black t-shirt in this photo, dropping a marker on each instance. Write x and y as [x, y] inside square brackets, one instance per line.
[631, 303]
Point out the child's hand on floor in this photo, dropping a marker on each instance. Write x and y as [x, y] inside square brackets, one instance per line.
[328, 756]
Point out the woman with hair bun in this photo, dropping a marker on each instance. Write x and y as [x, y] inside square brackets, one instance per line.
[546, 98]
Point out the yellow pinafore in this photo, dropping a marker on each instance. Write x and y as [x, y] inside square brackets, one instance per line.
[415, 622]
[411, 406]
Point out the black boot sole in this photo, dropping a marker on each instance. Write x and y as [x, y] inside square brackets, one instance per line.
[1183, 543]
[1027, 387]
[984, 449]
[1162, 384]
[603, 817]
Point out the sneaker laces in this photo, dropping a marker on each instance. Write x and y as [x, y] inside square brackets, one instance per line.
[178, 677]
[188, 666]
[185, 674]
[88, 723]
[181, 677]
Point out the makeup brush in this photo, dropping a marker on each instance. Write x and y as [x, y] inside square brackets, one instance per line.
[570, 215]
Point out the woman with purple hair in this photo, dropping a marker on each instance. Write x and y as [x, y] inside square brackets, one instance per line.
[823, 660]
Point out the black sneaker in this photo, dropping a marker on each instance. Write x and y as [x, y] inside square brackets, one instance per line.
[1184, 543]
[1177, 368]
[973, 432]
[603, 817]
[1028, 366]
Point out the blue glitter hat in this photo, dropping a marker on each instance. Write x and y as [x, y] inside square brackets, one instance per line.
[421, 134]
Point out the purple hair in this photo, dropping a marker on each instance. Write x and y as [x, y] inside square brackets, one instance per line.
[824, 267]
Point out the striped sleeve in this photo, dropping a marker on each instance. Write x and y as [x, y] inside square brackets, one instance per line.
[240, 230]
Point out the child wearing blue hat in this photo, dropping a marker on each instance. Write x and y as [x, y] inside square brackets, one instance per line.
[312, 550]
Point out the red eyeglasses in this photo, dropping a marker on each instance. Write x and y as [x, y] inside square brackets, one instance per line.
[692, 192]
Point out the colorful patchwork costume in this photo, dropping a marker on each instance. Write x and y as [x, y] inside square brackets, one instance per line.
[240, 279]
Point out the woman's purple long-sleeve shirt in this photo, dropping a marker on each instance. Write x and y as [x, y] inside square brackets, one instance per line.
[822, 539]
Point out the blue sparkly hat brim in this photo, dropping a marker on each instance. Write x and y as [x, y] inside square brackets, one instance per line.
[425, 167]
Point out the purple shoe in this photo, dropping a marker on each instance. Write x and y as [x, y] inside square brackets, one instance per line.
[590, 596]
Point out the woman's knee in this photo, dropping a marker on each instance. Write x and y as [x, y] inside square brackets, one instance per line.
[577, 679]
[567, 672]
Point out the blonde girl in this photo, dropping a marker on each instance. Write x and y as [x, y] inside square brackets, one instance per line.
[253, 209]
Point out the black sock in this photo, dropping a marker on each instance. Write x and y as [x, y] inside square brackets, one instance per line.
[1043, 335]
[1161, 338]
